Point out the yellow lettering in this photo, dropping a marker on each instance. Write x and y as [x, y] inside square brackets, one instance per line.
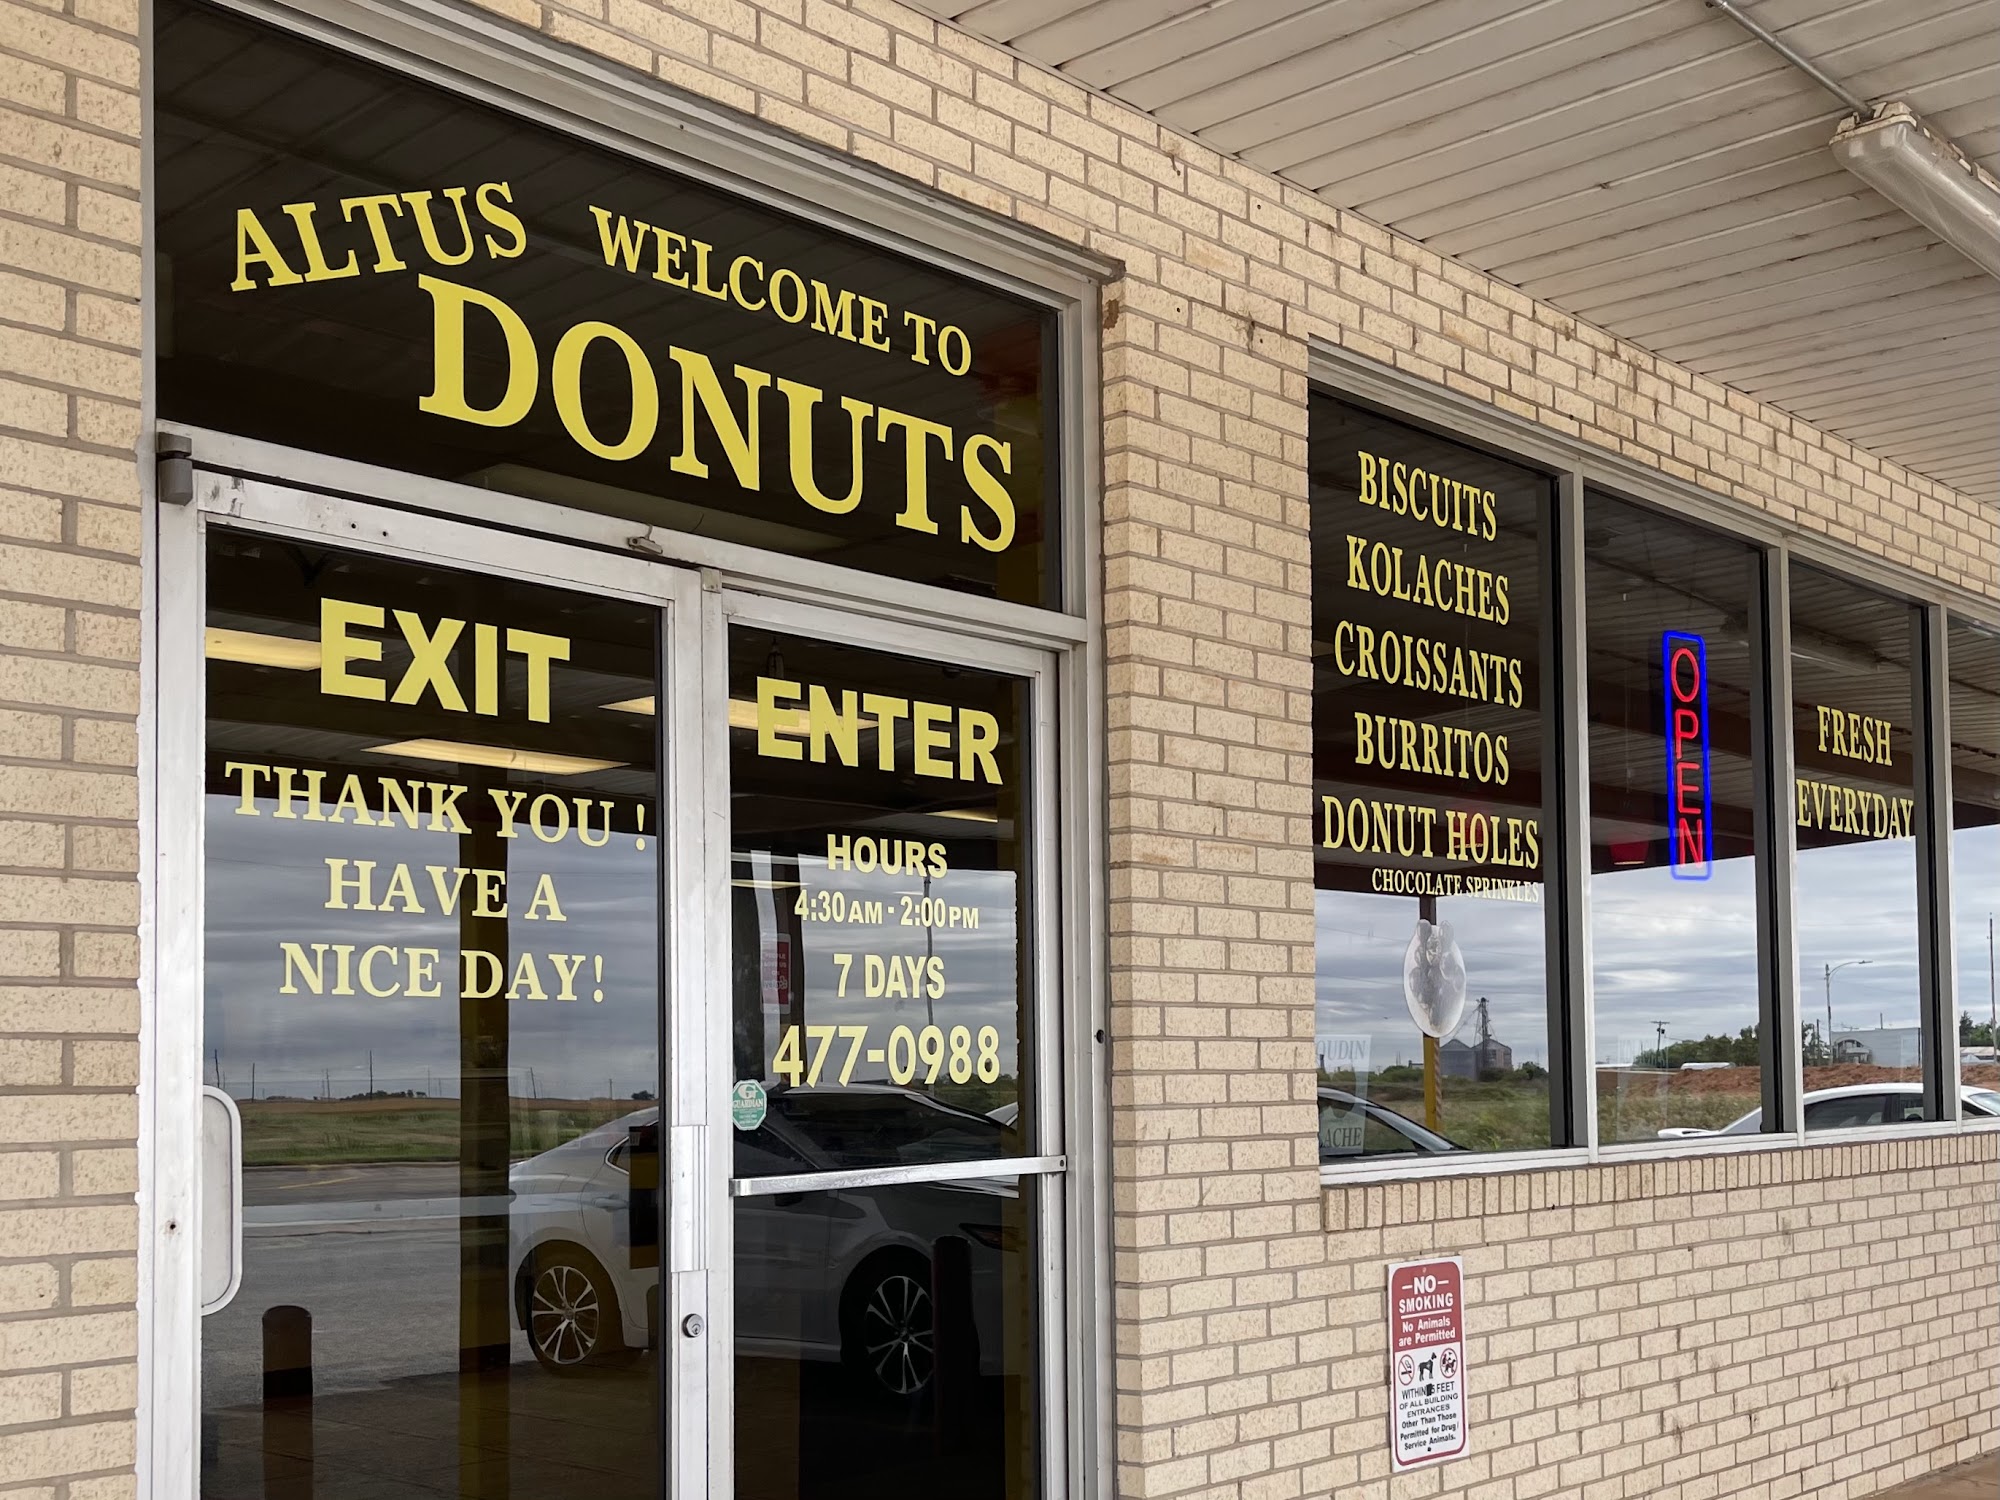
[917, 433]
[427, 230]
[739, 439]
[316, 267]
[447, 398]
[566, 384]
[254, 246]
[769, 691]
[337, 649]
[800, 401]
[989, 489]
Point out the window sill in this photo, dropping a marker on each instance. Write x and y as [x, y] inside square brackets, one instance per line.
[1494, 1163]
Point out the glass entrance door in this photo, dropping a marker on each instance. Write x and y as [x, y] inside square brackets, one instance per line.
[895, 1162]
[637, 1003]
[436, 949]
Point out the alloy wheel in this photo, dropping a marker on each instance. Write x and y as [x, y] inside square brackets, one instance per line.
[565, 1316]
[896, 1334]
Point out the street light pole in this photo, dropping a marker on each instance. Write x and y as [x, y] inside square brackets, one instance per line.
[1831, 970]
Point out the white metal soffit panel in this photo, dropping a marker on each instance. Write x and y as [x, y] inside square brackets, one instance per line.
[1646, 165]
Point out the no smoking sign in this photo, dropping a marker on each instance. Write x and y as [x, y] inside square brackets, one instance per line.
[1426, 1362]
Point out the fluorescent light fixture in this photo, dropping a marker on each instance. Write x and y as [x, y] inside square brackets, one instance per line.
[969, 814]
[499, 757]
[785, 719]
[765, 885]
[1927, 177]
[260, 650]
[646, 705]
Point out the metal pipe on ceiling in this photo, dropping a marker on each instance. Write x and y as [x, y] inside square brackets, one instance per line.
[1789, 54]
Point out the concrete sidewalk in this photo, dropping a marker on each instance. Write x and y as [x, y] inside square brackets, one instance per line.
[1978, 1480]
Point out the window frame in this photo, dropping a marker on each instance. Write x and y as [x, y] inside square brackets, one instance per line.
[1454, 416]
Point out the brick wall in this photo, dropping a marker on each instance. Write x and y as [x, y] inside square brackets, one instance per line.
[1772, 1324]
[69, 692]
[1234, 1312]
[1239, 1320]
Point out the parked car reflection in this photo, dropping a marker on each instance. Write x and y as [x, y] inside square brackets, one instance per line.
[1854, 1105]
[1351, 1128]
[848, 1274]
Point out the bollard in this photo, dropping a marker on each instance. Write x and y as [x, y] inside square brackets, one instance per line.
[954, 1344]
[288, 1409]
[288, 1334]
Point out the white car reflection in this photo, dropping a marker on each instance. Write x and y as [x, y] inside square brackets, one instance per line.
[843, 1275]
[1351, 1127]
[1855, 1104]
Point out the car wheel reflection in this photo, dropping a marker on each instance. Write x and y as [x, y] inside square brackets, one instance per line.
[892, 1329]
[571, 1311]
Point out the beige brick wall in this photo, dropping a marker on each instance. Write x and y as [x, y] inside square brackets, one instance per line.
[69, 695]
[1242, 1368]
[1774, 1324]
[1235, 1315]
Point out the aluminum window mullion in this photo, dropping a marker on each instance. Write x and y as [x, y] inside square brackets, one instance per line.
[234, 471]
[1937, 972]
[1566, 882]
[711, 743]
[170, 1031]
[1781, 1056]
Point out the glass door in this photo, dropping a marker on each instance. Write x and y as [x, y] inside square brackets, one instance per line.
[437, 936]
[895, 1167]
[637, 1008]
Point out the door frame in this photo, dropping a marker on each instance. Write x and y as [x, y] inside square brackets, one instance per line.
[698, 605]
[1046, 1172]
[171, 1037]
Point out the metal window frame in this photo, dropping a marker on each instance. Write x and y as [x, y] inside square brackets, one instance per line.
[1566, 807]
[1937, 969]
[1574, 463]
[1953, 958]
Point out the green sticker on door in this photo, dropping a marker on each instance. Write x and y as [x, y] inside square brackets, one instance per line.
[747, 1104]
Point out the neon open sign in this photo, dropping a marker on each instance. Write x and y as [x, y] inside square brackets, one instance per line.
[1690, 844]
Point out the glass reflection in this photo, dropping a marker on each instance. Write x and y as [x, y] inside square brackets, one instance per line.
[1974, 655]
[1853, 704]
[884, 1337]
[432, 988]
[1673, 893]
[1432, 1000]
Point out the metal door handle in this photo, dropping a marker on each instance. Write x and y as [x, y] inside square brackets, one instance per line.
[687, 1147]
[221, 1227]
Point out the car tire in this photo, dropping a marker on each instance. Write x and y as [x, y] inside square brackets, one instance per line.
[569, 1310]
[888, 1327]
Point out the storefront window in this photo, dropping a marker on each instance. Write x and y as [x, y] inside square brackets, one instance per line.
[1429, 726]
[1672, 615]
[1974, 652]
[353, 262]
[1855, 804]
[879, 891]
